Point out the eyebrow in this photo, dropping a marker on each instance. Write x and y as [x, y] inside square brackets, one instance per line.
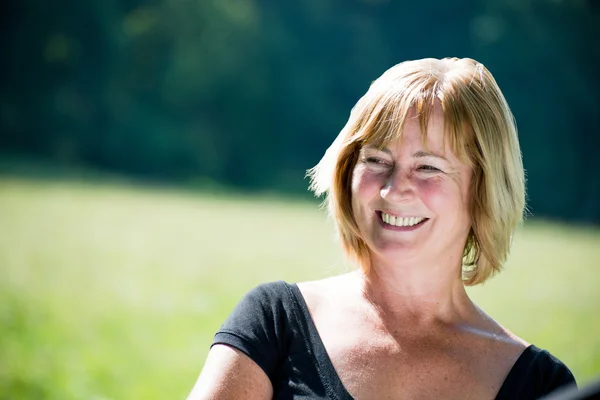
[418, 154]
[421, 154]
[375, 147]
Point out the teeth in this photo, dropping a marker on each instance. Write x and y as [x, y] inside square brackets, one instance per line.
[399, 221]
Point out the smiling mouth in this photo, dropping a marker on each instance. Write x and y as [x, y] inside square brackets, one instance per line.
[401, 221]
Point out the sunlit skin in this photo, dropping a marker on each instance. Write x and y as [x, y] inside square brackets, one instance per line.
[408, 179]
[402, 326]
[405, 327]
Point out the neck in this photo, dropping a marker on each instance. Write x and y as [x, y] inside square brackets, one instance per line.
[424, 293]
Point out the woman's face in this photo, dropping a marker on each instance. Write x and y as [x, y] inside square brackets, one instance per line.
[410, 200]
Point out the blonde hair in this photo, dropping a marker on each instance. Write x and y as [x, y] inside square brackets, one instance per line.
[481, 132]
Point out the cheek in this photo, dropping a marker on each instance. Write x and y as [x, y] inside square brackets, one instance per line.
[432, 187]
[359, 188]
[366, 187]
[356, 179]
[365, 182]
[439, 193]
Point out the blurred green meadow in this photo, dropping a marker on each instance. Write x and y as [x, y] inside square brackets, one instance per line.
[114, 291]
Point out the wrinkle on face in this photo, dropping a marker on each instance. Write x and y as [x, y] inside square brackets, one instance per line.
[416, 175]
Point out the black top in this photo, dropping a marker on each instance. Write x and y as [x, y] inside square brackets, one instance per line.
[273, 327]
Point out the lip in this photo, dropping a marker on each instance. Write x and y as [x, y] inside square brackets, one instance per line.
[399, 228]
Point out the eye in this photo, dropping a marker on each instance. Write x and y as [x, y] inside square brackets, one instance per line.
[428, 168]
[377, 164]
[375, 161]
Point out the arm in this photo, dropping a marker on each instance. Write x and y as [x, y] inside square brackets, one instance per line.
[229, 374]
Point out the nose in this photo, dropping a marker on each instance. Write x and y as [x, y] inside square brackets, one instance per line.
[398, 187]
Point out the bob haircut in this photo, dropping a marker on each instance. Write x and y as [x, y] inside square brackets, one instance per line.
[481, 131]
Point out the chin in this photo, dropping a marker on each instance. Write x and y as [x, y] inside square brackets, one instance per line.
[392, 249]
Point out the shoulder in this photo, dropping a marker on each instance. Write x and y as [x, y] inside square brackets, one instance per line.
[493, 334]
[268, 291]
[259, 325]
[265, 302]
[334, 285]
[552, 371]
[536, 373]
[531, 372]
[329, 291]
[264, 298]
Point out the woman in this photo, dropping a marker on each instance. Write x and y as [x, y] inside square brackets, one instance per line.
[425, 184]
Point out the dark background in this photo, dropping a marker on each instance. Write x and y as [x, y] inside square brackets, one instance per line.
[249, 94]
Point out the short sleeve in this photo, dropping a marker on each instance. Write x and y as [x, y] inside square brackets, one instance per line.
[257, 326]
[535, 374]
[553, 373]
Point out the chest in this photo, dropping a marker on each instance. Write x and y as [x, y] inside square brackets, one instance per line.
[416, 373]
[415, 367]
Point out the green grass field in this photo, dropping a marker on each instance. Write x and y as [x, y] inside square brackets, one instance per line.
[114, 292]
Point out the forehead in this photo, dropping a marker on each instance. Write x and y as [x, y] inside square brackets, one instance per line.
[427, 127]
[412, 129]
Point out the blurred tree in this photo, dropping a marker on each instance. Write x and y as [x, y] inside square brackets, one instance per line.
[251, 92]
